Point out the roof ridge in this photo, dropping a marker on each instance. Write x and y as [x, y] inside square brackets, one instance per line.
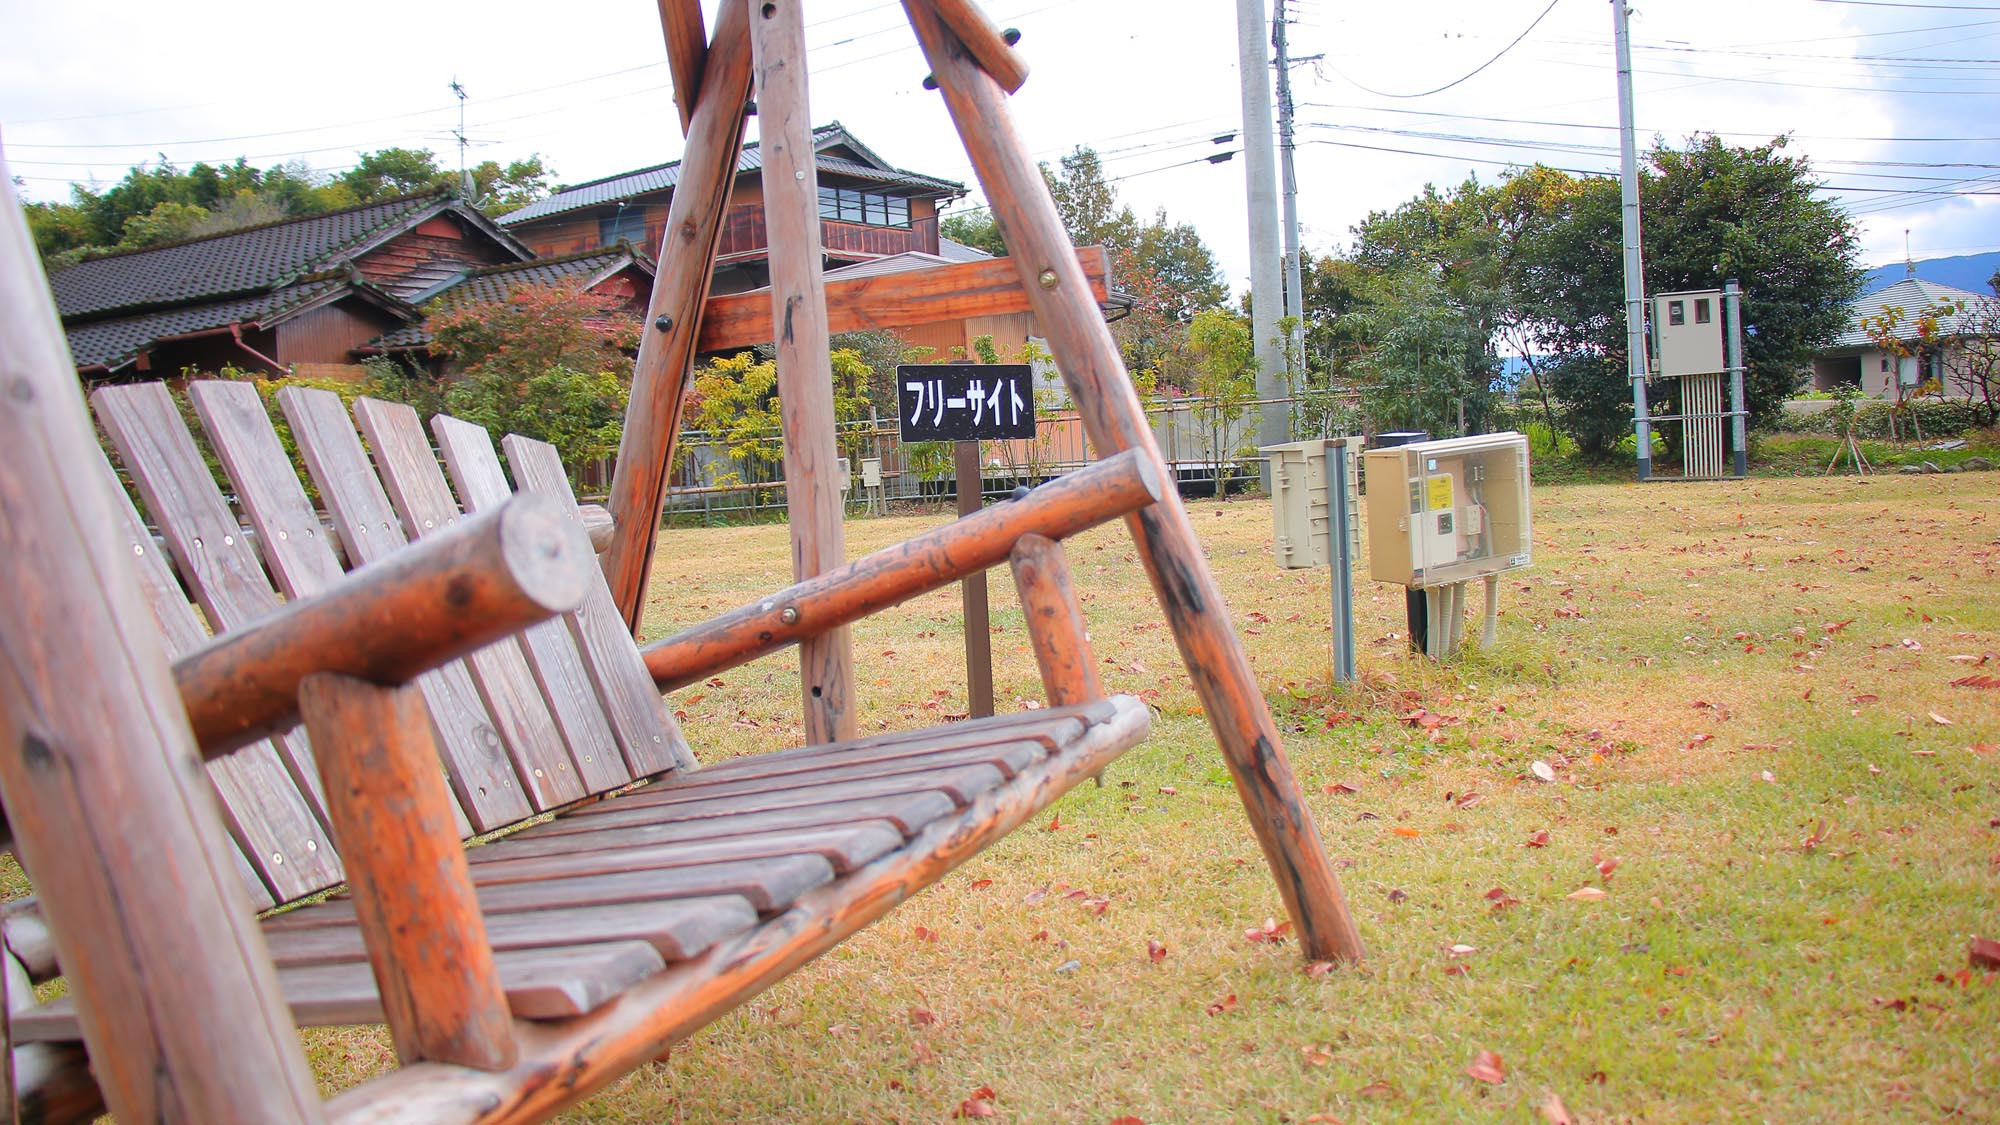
[613, 250]
[411, 197]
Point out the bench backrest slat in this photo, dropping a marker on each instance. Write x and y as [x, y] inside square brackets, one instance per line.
[475, 469]
[474, 749]
[270, 823]
[417, 487]
[210, 550]
[645, 730]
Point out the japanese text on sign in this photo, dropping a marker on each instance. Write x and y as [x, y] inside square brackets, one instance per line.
[965, 401]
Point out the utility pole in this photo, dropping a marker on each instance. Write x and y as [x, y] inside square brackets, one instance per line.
[1294, 283]
[1635, 278]
[464, 177]
[1260, 172]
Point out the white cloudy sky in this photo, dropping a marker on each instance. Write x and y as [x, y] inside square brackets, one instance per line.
[1895, 98]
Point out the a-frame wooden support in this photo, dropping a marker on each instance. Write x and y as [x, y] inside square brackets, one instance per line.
[717, 86]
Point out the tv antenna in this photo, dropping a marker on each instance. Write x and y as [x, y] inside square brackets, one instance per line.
[464, 177]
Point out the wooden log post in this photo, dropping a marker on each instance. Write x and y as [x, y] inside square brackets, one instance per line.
[413, 896]
[805, 377]
[1114, 420]
[449, 594]
[112, 815]
[1066, 505]
[673, 314]
[1055, 621]
[978, 614]
[985, 43]
[687, 53]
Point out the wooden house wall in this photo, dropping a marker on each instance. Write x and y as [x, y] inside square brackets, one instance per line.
[430, 253]
[330, 333]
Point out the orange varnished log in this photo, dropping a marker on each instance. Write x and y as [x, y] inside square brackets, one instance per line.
[1055, 621]
[985, 43]
[1113, 418]
[673, 314]
[112, 815]
[959, 291]
[562, 1064]
[805, 379]
[687, 53]
[413, 897]
[1064, 506]
[438, 599]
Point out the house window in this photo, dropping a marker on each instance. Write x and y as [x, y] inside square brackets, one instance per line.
[627, 224]
[1677, 313]
[852, 205]
[1701, 311]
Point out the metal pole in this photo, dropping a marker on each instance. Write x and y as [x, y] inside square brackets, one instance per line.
[1260, 173]
[1294, 283]
[1340, 517]
[1635, 281]
[1732, 339]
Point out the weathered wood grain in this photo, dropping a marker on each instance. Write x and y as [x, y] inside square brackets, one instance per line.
[573, 1060]
[1056, 627]
[687, 53]
[416, 486]
[1070, 503]
[908, 811]
[1114, 420]
[290, 852]
[112, 816]
[959, 291]
[646, 733]
[473, 746]
[674, 311]
[439, 988]
[983, 41]
[551, 649]
[678, 928]
[218, 564]
[805, 381]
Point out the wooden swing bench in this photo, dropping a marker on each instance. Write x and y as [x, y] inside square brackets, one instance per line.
[471, 667]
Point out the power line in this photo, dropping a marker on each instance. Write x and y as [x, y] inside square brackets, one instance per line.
[1469, 74]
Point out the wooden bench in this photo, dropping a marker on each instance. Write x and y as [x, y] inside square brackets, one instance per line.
[281, 701]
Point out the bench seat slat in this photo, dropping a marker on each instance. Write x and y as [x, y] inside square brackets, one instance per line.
[907, 811]
[678, 928]
[845, 847]
[1009, 758]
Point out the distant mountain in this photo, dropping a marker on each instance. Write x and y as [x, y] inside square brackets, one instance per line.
[1966, 271]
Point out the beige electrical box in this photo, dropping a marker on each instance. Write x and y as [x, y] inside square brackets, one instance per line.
[1300, 504]
[1441, 512]
[1687, 332]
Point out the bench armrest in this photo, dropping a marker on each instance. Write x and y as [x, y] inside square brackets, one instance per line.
[1062, 507]
[442, 597]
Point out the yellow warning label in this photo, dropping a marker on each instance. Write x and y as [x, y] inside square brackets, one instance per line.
[1440, 492]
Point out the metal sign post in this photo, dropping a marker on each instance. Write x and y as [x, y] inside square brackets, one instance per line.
[966, 404]
[1339, 525]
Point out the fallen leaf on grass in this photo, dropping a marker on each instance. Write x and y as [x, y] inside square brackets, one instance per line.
[1586, 894]
[923, 1017]
[1226, 1004]
[1767, 775]
[1460, 949]
[1377, 1090]
[1607, 865]
[925, 933]
[1819, 835]
[1272, 931]
[1500, 899]
[1323, 1119]
[1486, 1067]
[1539, 839]
[1940, 719]
[1406, 832]
[1055, 823]
[1155, 952]
[1035, 896]
[1128, 1119]
[1984, 953]
[1555, 1112]
[979, 1104]
[1336, 788]
[1542, 771]
[1468, 800]
[1316, 1056]
[981, 884]
[1168, 791]
[1319, 968]
[1977, 682]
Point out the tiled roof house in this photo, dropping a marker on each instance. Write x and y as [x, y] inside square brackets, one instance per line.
[296, 291]
[1854, 360]
[869, 209]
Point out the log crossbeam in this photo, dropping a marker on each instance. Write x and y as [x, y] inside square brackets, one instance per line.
[1062, 507]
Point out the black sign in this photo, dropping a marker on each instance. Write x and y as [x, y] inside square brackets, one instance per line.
[965, 401]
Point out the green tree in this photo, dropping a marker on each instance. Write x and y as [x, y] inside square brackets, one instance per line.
[1424, 364]
[551, 362]
[168, 221]
[497, 190]
[976, 229]
[1224, 363]
[394, 171]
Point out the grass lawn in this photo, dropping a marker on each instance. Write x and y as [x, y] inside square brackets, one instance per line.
[1747, 895]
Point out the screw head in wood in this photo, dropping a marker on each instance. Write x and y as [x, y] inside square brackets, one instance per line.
[930, 82]
[664, 323]
[1048, 279]
[789, 615]
[1011, 36]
